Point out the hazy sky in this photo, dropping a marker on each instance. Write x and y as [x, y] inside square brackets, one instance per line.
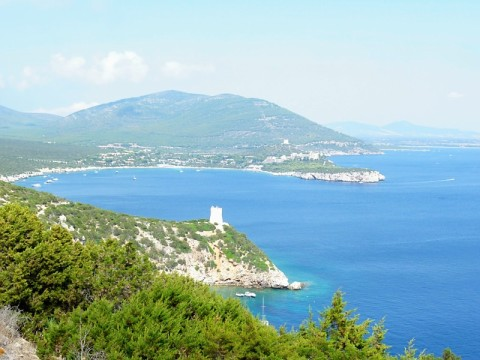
[338, 60]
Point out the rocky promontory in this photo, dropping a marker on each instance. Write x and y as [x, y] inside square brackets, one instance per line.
[212, 252]
[356, 176]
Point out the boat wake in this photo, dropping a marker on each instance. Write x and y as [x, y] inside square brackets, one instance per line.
[430, 181]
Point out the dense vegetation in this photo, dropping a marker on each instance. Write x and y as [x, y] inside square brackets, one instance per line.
[106, 301]
[165, 242]
[314, 166]
[20, 156]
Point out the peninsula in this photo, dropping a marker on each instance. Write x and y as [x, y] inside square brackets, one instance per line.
[209, 251]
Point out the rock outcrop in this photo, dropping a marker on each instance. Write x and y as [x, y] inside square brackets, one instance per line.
[215, 268]
[358, 176]
[296, 285]
[12, 345]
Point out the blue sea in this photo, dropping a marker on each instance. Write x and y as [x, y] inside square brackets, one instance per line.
[406, 249]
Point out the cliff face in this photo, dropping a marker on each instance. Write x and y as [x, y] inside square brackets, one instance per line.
[213, 266]
[229, 272]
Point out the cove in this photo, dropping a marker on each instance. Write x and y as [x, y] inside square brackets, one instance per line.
[405, 249]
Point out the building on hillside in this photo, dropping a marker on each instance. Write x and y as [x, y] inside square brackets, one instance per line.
[216, 215]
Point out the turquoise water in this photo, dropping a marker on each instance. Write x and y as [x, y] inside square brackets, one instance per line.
[406, 249]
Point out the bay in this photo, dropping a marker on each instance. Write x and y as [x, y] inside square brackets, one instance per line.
[406, 249]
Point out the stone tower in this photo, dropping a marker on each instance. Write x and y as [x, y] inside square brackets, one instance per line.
[216, 215]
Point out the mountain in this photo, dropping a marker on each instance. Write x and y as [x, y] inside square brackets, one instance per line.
[27, 126]
[174, 118]
[401, 130]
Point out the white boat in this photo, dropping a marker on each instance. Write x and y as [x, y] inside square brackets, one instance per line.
[37, 185]
[246, 294]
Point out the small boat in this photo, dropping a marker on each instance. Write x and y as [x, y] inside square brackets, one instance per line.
[246, 294]
[134, 178]
[37, 185]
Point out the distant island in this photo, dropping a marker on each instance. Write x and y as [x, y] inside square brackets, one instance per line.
[178, 129]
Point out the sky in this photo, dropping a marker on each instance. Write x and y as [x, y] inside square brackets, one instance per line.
[370, 61]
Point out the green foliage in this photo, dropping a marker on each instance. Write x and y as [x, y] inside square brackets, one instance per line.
[344, 334]
[174, 318]
[106, 299]
[19, 230]
[238, 248]
[44, 272]
[111, 271]
[305, 166]
[19, 156]
[89, 223]
[38, 274]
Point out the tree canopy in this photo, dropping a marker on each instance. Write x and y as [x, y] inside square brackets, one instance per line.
[106, 301]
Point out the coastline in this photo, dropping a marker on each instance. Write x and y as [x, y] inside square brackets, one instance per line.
[354, 176]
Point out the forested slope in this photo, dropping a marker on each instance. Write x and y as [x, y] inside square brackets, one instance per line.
[195, 248]
[106, 301]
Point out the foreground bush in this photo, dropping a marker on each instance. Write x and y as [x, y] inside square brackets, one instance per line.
[105, 301]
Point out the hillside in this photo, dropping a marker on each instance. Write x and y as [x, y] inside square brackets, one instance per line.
[27, 126]
[106, 301]
[23, 156]
[173, 118]
[195, 248]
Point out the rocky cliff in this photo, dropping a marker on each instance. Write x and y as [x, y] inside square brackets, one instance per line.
[230, 272]
[358, 176]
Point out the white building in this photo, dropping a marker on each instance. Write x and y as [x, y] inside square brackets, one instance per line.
[216, 215]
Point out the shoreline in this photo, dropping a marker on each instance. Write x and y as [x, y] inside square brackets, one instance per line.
[353, 176]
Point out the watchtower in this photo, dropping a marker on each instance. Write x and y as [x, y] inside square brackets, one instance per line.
[216, 215]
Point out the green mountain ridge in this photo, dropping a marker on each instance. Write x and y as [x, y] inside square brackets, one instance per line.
[173, 118]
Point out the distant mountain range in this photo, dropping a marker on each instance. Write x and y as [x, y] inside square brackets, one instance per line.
[173, 118]
[400, 130]
[26, 126]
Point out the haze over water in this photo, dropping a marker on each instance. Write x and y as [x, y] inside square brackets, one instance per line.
[406, 249]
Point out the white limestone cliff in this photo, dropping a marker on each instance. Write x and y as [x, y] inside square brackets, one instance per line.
[358, 176]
